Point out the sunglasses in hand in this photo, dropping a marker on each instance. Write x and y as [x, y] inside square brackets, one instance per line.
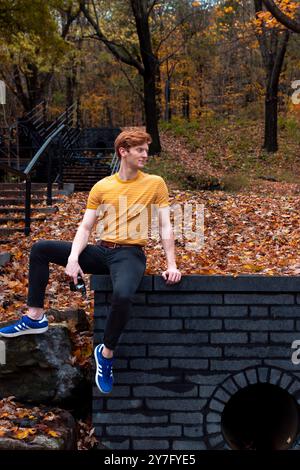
[80, 286]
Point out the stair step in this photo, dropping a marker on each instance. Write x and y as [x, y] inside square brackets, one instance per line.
[10, 201]
[97, 168]
[46, 210]
[100, 166]
[37, 188]
[84, 174]
[4, 220]
[8, 231]
[22, 185]
[21, 192]
[78, 179]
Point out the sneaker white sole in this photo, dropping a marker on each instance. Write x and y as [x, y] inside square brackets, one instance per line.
[96, 375]
[25, 332]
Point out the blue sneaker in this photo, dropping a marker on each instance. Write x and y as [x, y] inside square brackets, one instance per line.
[25, 326]
[104, 375]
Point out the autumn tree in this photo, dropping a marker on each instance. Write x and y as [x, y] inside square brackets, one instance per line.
[141, 57]
[286, 13]
[273, 42]
[33, 45]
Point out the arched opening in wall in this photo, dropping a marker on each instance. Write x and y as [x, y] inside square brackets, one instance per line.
[261, 416]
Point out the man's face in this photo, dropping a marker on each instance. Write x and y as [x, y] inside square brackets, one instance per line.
[136, 156]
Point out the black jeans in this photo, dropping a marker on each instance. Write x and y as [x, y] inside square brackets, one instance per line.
[126, 266]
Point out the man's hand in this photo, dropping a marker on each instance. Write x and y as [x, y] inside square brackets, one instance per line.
[72, 269]
[172, 275]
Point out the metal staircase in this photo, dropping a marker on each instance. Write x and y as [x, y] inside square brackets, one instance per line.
[92, 158]
[33, 155]
[37, 156]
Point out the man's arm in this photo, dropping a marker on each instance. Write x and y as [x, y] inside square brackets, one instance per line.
[83, 232]
[167, 239]
[79, 243]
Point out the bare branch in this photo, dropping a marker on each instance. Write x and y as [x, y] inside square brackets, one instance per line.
[130, 81]
[181, 22]
[95, 12]
[118, 50]
[153, 3]
[172, 54]
[69, 22]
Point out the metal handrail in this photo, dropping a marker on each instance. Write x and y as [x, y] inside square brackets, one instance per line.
[93, 148]
[64, 117]
[35, 110]
[115, 164]
[26, 175]
[41, 150]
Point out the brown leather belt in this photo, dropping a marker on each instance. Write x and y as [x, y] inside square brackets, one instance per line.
[113, 244]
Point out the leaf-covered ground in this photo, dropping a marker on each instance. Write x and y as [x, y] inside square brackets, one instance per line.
[26, 424]
[254, 231]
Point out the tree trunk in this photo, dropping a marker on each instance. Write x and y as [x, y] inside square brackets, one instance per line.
[145, 62]
[150, 72]
[151, 112]
[271, 112]
[168, 110]
[271, 99]
[200, 81]
[109, 115]
[158, 93]
[71, 85]
[273, 49]
[186, 103]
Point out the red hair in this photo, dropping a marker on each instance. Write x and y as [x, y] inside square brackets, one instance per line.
[131, 138]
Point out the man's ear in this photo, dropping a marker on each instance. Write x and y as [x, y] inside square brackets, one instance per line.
[122, 151]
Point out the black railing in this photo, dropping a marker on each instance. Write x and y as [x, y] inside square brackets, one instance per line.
[29, 133]
[58, 140]
[25, 175]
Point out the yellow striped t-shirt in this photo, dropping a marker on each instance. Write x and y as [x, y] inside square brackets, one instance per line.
[126, 209]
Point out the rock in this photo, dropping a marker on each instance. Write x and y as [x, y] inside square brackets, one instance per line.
[64, 426]
[38, 368]
[75, 316]
[4, 258]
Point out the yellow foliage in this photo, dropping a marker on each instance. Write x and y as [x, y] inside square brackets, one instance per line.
[22, 433]
[53, 433]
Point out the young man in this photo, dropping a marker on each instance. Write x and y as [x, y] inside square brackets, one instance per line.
[126, 198]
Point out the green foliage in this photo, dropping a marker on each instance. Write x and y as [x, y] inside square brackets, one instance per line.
[175, 172]
[234, 182]
[233, 147]
[30, 36]
[166, 166]
[199, 181]
[291, 126]
[182, 128]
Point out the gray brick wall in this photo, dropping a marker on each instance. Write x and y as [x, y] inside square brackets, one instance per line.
[181, 342]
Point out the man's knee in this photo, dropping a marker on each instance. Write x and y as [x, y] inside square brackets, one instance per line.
[121, 296]
[38, 246]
